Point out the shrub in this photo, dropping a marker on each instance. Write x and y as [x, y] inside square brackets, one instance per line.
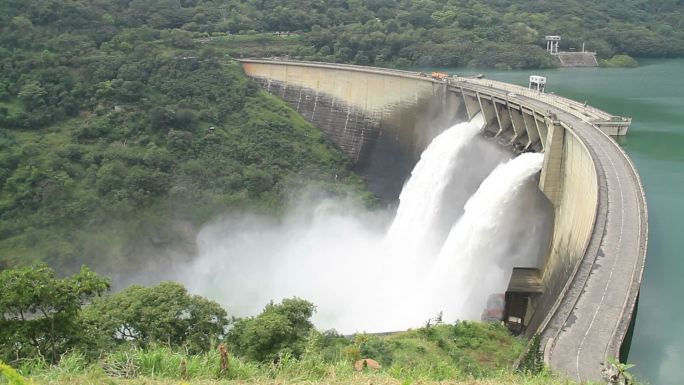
[280, 330]
[620, 61]
[164, 314]
[11, 375]
[533, 360]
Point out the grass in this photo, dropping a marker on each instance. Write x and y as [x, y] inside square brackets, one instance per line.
[465, 353]
[335, 374]
[257, 45]
[356, 379]
[163, 367]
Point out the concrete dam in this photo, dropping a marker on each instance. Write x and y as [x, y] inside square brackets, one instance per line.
[582, 298]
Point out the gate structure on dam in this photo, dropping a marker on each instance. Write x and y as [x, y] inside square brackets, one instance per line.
[382, 119]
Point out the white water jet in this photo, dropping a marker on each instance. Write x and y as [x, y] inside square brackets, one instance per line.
[505, 225]
[422, 211]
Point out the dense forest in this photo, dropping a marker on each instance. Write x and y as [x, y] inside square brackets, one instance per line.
[126, 124]
[115, 141]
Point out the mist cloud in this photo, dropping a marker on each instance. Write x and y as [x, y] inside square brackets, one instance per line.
[336, 253]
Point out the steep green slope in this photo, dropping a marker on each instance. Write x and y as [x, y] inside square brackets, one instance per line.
[108, 154]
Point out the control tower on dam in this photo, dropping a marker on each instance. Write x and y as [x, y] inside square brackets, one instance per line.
[582, 298]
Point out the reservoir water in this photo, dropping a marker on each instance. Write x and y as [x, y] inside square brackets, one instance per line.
[653, 95]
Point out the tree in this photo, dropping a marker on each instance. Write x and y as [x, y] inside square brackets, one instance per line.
[21, 31]
[160, 118]
[164, 314]
[38, 312]
[186, 119]
[279, 329]
[32, 95]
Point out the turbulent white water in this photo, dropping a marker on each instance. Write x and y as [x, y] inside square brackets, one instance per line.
[421, 211]
[438, 254]
[504, 226]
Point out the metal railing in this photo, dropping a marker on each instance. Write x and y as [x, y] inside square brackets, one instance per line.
[586, 113]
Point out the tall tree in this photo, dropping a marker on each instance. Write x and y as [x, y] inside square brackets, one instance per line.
[162, 314]
[39, 312]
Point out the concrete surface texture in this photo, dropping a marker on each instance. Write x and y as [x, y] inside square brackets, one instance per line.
[578, 59]
[592, 273]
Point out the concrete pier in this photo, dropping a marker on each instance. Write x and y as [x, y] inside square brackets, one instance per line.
[382, 119]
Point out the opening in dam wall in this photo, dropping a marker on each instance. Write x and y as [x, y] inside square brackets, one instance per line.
[383, 119]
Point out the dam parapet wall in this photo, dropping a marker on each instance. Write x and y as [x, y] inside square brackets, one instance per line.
[383, 119]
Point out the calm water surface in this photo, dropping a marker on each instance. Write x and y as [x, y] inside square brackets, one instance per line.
[653, 95]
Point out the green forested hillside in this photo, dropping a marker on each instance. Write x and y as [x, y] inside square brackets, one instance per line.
[501, 33]
[115, 141]
[125, 123]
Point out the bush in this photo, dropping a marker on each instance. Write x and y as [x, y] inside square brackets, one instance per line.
[162, 314]
[12, 377]
[39, 312]
[281, 329]
[620, 61]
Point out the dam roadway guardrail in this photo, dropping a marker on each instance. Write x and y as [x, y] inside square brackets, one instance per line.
[592, 273]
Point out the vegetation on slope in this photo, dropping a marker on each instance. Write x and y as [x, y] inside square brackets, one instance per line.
[619, 61]
[500, 33]
[115, 145]
[163, 367]
[67, 329]
[70, 330]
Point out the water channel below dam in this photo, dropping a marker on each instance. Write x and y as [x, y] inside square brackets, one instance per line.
[653, 95]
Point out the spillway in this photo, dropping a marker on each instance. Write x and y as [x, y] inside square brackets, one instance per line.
[488, 240]
[368, 273]
[423, 212]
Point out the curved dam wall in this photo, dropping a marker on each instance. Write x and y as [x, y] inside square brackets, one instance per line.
[574, 224]
[381, 123]
[382, 120]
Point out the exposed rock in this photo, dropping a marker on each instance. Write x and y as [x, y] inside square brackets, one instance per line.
[366, 363]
